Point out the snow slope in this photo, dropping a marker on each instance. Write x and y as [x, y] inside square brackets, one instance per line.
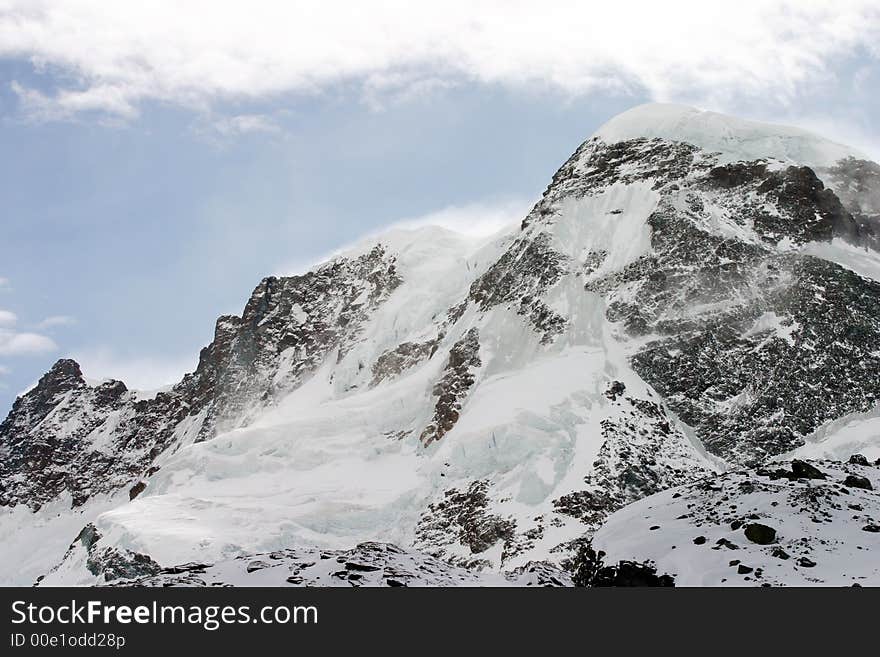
[823, 531]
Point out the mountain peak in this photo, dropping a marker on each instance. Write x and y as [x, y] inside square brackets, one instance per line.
[734, 138]
[64, 375]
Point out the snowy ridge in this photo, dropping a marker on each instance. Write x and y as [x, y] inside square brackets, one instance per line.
[665, 316]
[734, 138]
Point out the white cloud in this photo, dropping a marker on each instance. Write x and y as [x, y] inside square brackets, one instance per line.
[138, 373]
[56, 320]
[113, 56]
[4, 282]
[7, 318]
[13, 343]
[19, 343]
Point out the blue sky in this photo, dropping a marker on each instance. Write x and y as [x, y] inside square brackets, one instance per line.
[155, 166]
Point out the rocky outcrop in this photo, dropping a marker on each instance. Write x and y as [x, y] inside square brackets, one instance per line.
[406, 355]
[642, 453]
[589, 569]
[366, 565]
[518, 279]
[754, 378]
[453, 387]
[42, 440]
[857, 184]
[463, 515]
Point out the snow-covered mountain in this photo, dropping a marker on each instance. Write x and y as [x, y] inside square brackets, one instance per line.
[694, 297]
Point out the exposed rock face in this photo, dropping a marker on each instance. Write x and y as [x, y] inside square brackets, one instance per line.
[857, 184]
[41, 441]
[106, 562]
[519, 277]
[595, 166]
[453, 387]
[65, 436]
[406, 355]
[464, 514]
[756, 378]
[288, 327]
[642, 453]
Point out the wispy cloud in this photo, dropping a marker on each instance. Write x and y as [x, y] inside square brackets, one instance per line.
[241, 124]
[55, 321]
[475, 219]
[68, 103]
[138, 373]
[115, 56]
[221, 130]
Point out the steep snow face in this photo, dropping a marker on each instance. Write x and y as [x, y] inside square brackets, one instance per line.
[857, 433]
[32, 542]
[733, 138]
[662, 313]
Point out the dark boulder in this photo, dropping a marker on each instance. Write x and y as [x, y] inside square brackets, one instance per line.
[589, 569]
[136, 490]
[779, 553]
[803, 470]
[855, 481]
[760, 534]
